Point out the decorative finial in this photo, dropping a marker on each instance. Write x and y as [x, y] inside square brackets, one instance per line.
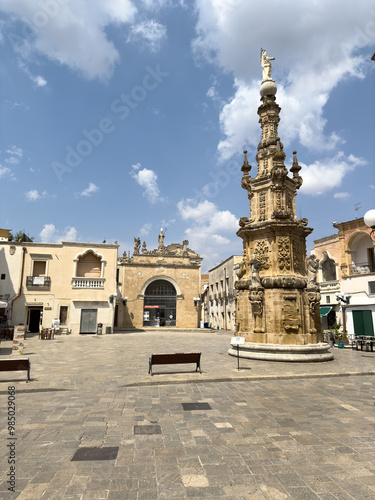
[245, 166]
[295, 170]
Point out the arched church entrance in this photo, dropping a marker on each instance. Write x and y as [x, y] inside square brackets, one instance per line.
[159, 307]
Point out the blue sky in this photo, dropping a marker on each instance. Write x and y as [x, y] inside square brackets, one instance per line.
[122, 117]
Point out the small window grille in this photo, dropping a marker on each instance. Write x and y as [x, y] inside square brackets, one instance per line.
[371, 285]
[328, 299]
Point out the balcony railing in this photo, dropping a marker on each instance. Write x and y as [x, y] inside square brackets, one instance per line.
[88, 283]
[362, 268]
[36, 282]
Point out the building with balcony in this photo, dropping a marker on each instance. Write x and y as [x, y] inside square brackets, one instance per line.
[222, 293]
[347, 270]
[70, 282]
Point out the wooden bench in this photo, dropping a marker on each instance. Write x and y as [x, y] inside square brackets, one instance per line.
[15, 364]
[176, 358]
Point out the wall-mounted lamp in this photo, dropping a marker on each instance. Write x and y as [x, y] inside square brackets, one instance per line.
[124, 301]
[369, 220]
[343, 298]
[112, 298]
[196, 300]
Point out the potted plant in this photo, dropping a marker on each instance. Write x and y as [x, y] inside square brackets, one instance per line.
[342, 337]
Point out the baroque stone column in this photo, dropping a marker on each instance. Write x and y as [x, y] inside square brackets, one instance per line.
[277, 295]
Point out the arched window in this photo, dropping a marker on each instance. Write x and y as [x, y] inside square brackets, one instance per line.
[329, 270]
[89, 264]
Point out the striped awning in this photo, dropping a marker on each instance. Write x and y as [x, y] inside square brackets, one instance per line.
[324, 311]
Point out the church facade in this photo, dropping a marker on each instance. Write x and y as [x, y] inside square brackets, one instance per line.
[158, 288]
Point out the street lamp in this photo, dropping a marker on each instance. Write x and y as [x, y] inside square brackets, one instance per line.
[369, 220]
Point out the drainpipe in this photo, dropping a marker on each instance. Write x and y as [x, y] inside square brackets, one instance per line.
[20, 284]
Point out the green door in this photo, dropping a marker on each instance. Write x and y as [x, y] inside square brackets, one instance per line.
[363, 323]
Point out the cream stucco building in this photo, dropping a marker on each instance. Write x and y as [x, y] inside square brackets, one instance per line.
[71, 282]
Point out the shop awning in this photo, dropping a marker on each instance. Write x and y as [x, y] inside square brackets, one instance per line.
[324, 311]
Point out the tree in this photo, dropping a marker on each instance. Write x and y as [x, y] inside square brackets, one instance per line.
[20, 237]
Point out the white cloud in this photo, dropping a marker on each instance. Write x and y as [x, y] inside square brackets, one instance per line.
[205, 234]
[202, 212]
[150, 33]
[145, 229]
[32, 195]
[148, 180]
[15, 155]
[38, 80]
[49, 234]
[341, 196]
[314, 49]
[74, 34]
[90, 190]
[5, 172]
[322, 176]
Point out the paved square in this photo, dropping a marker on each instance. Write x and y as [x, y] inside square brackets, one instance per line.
[274, 430]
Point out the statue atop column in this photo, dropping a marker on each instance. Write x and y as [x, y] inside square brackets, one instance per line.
[265, 61]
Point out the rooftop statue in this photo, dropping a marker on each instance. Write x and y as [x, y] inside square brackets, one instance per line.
[161, 239]
[265, 61]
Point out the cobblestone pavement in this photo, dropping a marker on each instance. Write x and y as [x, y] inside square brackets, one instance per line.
[267, 431]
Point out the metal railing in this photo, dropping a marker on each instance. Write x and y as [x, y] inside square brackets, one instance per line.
[38, 281]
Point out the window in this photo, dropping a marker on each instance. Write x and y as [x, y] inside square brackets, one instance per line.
[3, 276]
[371, 286]
[328, 299]
[39, 268]
[329, 270]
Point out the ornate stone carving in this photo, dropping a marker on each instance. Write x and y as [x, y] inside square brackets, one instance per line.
[290, 314]
[262, 206]
[144, 248]
[137, 246]
[243, 221]
[283, 253]
[280, 214]
[313, 300]
[255, 264]
[262, 251]
[283, 282]
[312, 269]
[12, 250]
[298, 257]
